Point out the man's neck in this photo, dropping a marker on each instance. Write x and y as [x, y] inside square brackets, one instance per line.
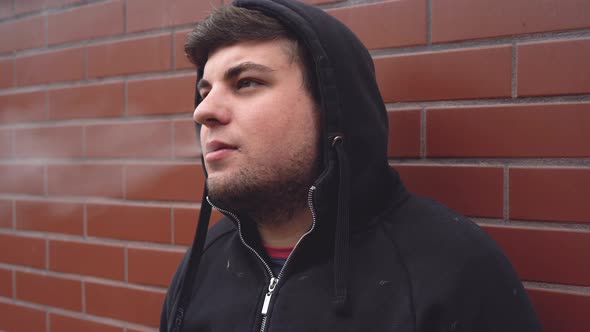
[286, 233]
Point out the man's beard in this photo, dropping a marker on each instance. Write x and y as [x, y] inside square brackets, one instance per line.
[267, 194]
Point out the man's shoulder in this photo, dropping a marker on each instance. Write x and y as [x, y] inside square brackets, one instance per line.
[425, 228]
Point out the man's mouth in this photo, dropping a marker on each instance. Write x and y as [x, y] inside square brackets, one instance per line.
[216, 150]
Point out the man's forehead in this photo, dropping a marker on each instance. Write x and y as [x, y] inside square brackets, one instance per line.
[270, 53]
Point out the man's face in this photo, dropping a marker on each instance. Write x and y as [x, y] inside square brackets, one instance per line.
[259, 134]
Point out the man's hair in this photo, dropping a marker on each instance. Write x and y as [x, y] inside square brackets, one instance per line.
[228, 25]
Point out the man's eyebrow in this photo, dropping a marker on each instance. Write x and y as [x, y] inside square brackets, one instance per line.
[235, 71]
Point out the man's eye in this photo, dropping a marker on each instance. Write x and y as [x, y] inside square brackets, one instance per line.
[203, 94]
[246, 83]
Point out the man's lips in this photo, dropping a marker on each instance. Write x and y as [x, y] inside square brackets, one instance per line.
[216, 150]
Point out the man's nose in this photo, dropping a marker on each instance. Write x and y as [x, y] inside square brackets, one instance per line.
[213, 110]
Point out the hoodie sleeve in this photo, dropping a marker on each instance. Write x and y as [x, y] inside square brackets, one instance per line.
[505, 304]
[488, 297]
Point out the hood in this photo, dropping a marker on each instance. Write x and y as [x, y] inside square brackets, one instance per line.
[357, 183]
[352, 107]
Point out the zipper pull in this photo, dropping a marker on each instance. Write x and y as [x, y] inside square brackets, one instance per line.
[271, 288]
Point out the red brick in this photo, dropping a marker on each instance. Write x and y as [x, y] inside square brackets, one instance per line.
[5, 283]
[547, 255]
[87, 101]
[131, 56]
[6, 139]
[130, 139]
[21, 179]
[18, 318]
[542, 130]
[561, 311]
[471, 190]
[174, 182]
[161, 95]
[138, 330]
[186, 143]
[22, 6]
[104, 180]
[6, 73]
[54, 141]
[5, 9]
[129, 222]
[22, 250]
[135, 305]
[100, 260]
[141, 262]
[59, 322]
[22, 107]
[404, 133]
[456, 74]
[22, 34]
[87, 22]
[180, 57]
[6, 213]
[465, 19]
[49, 290]
[51, 66]
[154, 14]
[50, 216]
[185, 223]
[554, 67]
[386, 24]
[550, 194]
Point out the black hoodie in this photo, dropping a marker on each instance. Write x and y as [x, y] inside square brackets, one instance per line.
[377, 258]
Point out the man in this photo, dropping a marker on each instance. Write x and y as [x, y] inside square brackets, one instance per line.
[319, 232]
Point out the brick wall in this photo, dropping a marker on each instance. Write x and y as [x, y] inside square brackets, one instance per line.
[489, 110]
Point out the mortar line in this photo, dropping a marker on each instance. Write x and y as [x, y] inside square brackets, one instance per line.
[45, 180]
[172, 141]
[14, 81]
[84, 142]
[83, 295]
[46, 108]
[536, 224]
[429, 22]
[12, 143]
[423, 150]
[46, 254]
[13, 283]
[85, 63]
[126, 264]
[125, 17]
[125, 97]
[45, 30]
[173, 51]
[123, 182]
[557, 287]
[172, 226]
[85, 220]
[506, 199]
[13, 214]
[514, 70]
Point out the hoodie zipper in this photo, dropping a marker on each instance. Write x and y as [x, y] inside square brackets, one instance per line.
[273, 281]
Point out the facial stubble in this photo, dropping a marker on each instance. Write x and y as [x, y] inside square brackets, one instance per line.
[268, 194]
